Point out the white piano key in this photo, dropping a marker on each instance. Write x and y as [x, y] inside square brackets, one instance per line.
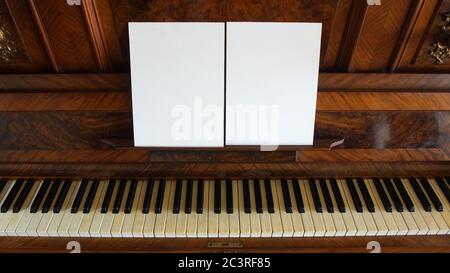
[234, 217]
[66, 219]
[382, 229]
[330, 229]
[16, 219]
[160, 223]
[137, 229]
[266, 223]
[391, 226]
[244, 218]
[181, 228]
[191, 221]
[108, 218]
[357, 217]
[171, 220]
[372, 229]
[397, 216]
[5, 217]
[255, 221]
[97, 218]
[445, 214]
[341, 229]
[347, 215]
[213, 218]
[202, 218]
[412, 229]
[297, 221]
[224, 224]
[275, 218]
[150, 218]
[77, 218]
[44, 224]
[53, 227]
[128, 222]
[319, 225]
[286, 221]
[420, 215]
[116, 228]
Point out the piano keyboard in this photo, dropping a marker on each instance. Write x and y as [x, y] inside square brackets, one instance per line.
[224, 208]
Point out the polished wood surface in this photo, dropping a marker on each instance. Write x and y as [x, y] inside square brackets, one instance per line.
[65, 104]
[410, 244]
[396, 36]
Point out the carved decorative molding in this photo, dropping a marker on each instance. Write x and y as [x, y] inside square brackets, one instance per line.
[7, 44]
[441, 46]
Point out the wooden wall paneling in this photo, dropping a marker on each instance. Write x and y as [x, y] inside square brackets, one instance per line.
[336, 35]
[372, 35]
[226, 170]
[110, 101]
[106, 130]
[415, 56]
[401, 82]
[222, 11]
[65, 35]
[20, 35]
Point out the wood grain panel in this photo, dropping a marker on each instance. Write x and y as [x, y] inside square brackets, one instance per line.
[227, 170]
[30, 56]
[379, 36]
[402, 244]
[222, 11]
[121, 101]
[327, 82]
[63, 30]
[97, 130]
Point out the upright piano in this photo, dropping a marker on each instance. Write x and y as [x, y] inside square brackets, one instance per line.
[377, 174]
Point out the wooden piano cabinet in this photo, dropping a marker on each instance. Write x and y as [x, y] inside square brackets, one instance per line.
[407, 244]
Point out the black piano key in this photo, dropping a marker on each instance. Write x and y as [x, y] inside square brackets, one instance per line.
[404, 194]
[3, 183]
[131, 196]
[108, 195]
[229, 193]
[40, 196]
[79, 196]
[91, 195]
[160, 197]
[258, 198]
[188, 202]
[200, 193]
[8, 201]
[177, 197]
[326, 195]
[51, 196]
[448, 180]
[119, 196]
[431, 194]
[444, 188]
[354, 195]
[337, 195]
[62, 195]
[298, 195]
[246, 189]
[286, 196]
[217, 196]
[23, 195]
[315, 195]
[148, 196]
[383, 196]
[366, 195]
[420, 194]
[393, 194]
[269, 196]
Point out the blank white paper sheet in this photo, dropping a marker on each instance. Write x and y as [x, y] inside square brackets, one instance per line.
[271, 78]
[177, 75]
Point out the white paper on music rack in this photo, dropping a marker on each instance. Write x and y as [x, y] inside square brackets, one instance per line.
[177, 72]
[272, 78]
